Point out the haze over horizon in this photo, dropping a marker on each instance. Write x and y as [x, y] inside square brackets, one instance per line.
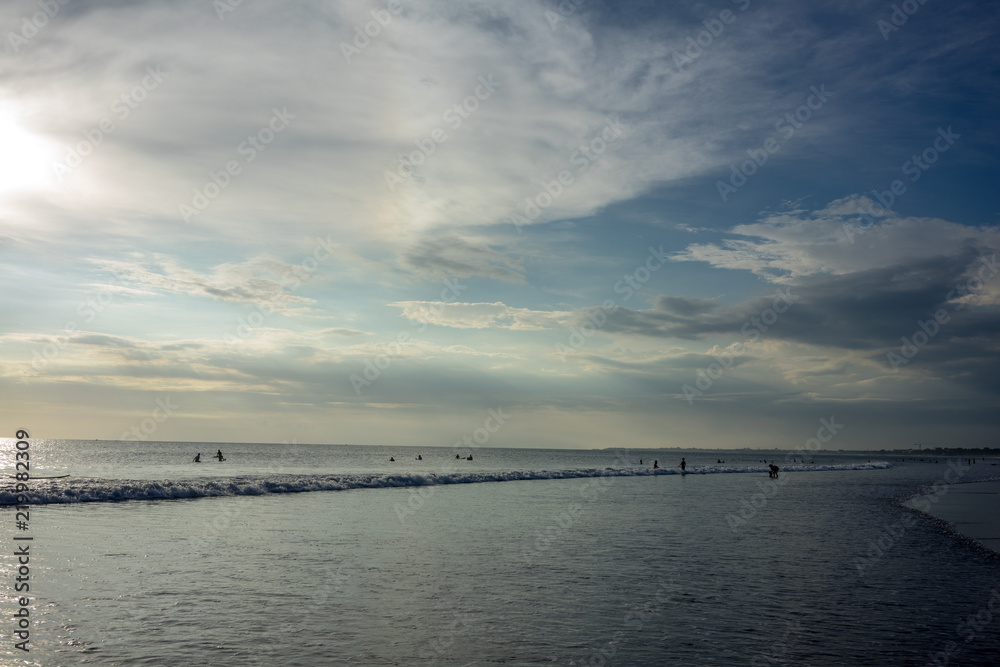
[611, 224]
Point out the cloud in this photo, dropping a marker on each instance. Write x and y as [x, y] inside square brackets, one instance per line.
[455, 256]
[555, 92]
[481, 315]
[341, 331]
[682, 306]
[465, 349]
[787, 246]
[260, 281]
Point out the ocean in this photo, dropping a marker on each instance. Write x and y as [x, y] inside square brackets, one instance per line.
[293, 555]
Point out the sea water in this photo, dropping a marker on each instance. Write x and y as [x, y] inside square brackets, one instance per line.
[329, 555]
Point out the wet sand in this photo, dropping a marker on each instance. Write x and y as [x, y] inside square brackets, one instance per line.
[973, 509]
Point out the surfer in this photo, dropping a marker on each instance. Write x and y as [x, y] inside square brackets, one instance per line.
[469, 457]
[683, 464]
[457, 456]
[219, 456]
[392, 460]
[640, 461]
[419, 457]
[656, 464]
[197, 458]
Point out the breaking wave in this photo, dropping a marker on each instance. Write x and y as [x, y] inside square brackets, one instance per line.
[88, 490]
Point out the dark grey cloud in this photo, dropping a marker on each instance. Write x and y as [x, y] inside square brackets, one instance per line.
[684, 307]
[861, 310]
[459, 257]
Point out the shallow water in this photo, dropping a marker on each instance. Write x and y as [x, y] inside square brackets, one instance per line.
[595, 570]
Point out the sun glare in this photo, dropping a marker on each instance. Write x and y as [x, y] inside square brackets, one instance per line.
[24, 157]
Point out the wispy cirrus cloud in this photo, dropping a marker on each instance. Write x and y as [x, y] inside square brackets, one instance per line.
[495, 315]
[257, 281]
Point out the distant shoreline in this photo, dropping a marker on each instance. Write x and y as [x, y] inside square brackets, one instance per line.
[991, 453]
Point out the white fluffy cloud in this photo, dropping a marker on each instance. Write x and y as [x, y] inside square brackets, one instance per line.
[836, 240]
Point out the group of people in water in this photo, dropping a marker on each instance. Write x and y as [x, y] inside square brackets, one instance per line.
[421, 458]
[656, 464]
[218, 455]
[683, 466]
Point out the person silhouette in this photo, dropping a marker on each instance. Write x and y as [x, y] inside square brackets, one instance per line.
[197, 458]
[656, 464]
[683, 465]
[219, 456]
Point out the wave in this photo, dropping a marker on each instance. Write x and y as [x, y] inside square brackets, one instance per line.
[87, 490]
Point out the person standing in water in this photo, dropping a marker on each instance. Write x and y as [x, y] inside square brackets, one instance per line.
[656, 464]
[219, 455]
[197, 458]
[683, 464]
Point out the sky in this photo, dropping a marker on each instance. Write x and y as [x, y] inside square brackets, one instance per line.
[572, 224]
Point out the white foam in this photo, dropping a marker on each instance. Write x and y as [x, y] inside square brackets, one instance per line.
[82, 490]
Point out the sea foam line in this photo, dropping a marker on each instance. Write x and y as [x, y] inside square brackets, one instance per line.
[83, 490]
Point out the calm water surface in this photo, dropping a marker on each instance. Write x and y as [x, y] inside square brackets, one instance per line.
[821, 569]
